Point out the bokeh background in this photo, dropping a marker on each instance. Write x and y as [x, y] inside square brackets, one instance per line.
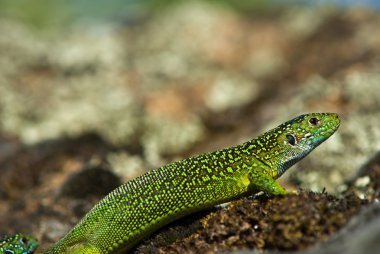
[125, 86]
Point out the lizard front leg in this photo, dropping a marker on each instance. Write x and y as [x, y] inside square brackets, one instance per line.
[259, 181]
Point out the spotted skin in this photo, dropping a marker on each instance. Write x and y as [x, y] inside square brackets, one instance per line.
[136, 209]
[18, 244]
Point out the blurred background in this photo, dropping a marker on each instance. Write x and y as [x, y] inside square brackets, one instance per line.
[132, 85]
[55, 15]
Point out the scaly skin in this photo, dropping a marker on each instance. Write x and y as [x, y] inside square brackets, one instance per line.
[18, 244]
[141, 206]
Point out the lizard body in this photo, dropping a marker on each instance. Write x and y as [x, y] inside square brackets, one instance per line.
[136, 209]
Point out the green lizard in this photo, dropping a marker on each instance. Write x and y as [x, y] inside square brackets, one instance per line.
[136, 209]
[18, 244]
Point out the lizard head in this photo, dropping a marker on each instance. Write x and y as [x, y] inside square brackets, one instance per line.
[18, 244]
[283, 146]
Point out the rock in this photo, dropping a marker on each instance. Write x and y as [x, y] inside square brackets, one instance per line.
[361, 235]
[95, 181]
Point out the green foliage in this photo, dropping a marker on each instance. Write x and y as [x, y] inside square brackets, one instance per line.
[40, 14]
[46, 14]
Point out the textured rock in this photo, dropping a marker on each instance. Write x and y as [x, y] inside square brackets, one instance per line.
[361, 235]
[289, 223]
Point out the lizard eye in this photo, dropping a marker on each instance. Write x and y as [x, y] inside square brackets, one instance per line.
[24, 241]
[313, 121]
[291, 139]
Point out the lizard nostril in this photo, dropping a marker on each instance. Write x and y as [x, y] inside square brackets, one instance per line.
[314, 121]
[24, 241]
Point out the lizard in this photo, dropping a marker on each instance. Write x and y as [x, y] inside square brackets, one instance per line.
[18, 244]
[137, 208]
